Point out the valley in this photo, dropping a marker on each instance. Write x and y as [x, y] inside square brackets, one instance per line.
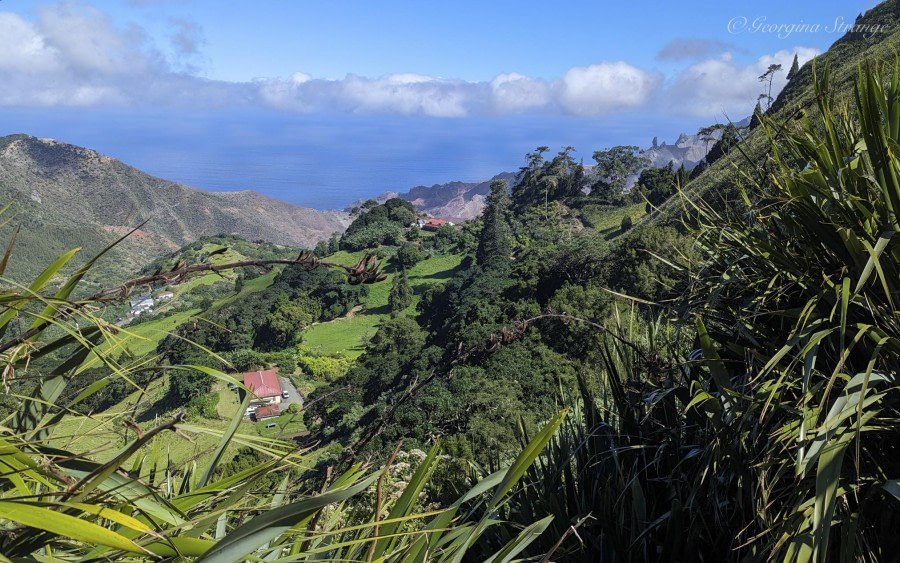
[683, 352]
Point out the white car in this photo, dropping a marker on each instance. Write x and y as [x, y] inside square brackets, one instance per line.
[285, 394]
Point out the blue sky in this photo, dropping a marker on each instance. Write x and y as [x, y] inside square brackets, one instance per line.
[674, 66]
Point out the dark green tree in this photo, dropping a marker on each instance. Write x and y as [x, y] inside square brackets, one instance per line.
[495, 242]
[401, 293]
[334, 243]
[541, 181]
[282, 325]
[528, 189]
[659, 184]
[321, 249]
[187, 385]
[446, 237]
[707, 135]
[408, 255]
[729, 139]
[795, 68]
[382, 224]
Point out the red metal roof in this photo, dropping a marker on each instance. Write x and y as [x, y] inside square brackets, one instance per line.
[270, 411]
[263, 383]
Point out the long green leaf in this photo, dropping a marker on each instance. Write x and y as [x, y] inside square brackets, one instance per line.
[65, 526]
[226, 439]
[520, 542]
[245, 539]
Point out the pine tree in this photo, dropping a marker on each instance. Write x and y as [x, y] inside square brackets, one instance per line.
[795, 68]
[401, 294]
[495, 245]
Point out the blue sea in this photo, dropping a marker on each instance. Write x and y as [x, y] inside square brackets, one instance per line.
[328, 161]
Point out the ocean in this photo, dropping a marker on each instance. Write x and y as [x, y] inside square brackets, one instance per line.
[327, 161]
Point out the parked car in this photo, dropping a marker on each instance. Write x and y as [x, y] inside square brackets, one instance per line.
[285, 394]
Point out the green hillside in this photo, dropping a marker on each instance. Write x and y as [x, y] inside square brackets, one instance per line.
[64, 196]
[844, 59]
[348, 336]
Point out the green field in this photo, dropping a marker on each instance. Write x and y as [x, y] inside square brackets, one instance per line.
[104, 434]
[348, 336]
[607, 220]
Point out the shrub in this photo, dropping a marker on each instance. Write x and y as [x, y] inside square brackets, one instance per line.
[324, 368]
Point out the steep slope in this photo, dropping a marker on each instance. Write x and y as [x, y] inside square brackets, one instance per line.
[876, 38]
[67, 196]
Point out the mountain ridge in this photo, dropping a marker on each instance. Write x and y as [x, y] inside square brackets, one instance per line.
[64, 195]
[460, 201]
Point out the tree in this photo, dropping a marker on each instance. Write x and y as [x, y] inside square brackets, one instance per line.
[527, 184]
[541, 181]
[282, 325]
[408, 255]
[659, 184]
[321, 249]
[707, 135]
[401, 294]
[626, 223]
[795, 68]
[729, 139]
[612, 170]
[185, 385]
[446, 237]
[495, 242]
[57, 499]
[767, 78]
[334, 243]
[382, 224]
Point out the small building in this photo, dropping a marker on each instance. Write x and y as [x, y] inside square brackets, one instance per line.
[270, 411]
[139, 300]
[264, 385]
[165, 295]
[141, 305]
[434, 224]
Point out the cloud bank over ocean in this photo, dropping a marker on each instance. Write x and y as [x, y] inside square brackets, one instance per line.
[74, 55]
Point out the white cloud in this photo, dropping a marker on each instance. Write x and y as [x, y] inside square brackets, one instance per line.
[24, 48]
[403, 94]
[604, 87]
[73, 54]
[86, 41]
[720, 86]
[406, 94]
[514, 92]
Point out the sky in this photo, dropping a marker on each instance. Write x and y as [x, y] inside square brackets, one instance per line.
[355, 96]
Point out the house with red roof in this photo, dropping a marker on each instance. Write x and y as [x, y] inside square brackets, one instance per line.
[433, 224]
[264, 385]
[270, 411]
